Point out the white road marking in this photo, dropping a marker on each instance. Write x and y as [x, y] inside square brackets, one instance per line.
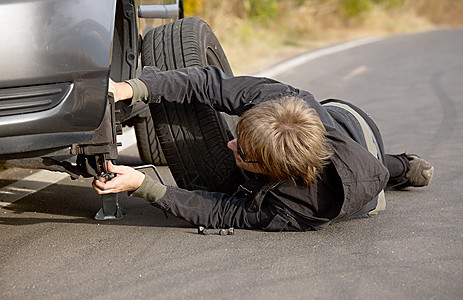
[355, 72]
[302, 59]
[28, 185]
[44, 178]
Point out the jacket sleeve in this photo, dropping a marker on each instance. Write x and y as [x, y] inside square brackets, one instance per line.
[209, 209]
[209, 85]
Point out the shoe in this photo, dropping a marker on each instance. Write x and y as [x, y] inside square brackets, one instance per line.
[419, 174]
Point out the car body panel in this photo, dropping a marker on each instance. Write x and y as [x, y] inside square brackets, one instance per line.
[51, 41]
[48, 42]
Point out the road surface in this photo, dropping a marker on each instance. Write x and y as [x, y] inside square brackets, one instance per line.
[50, 247]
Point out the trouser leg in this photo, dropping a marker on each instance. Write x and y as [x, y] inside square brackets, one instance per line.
[372, 141]
[398, 166]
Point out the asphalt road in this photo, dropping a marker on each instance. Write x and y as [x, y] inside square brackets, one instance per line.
[50, 247]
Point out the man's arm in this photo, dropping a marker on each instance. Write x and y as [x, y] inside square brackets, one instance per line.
[211, 86]
[121, 90]
[209, 209]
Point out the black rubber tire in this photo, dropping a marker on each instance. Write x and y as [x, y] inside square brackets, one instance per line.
[193, 136]
[148, 143]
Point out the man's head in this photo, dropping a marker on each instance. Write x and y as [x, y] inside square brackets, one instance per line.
[285, 137]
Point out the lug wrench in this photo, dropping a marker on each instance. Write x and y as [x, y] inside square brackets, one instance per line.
[157, 174]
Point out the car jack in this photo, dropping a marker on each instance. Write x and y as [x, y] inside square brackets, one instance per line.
[110, 209]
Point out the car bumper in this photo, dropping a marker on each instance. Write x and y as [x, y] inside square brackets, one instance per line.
[76, 112]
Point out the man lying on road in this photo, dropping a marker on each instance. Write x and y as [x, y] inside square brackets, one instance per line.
[308, 164]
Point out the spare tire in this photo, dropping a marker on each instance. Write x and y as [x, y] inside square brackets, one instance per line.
[193, 136]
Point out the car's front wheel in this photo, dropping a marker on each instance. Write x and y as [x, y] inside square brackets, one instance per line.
[149, 146]
[193, 136]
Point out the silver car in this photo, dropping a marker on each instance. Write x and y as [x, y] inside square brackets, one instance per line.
[56, 57]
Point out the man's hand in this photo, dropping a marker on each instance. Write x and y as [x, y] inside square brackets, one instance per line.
[120, 90]
[127, 179]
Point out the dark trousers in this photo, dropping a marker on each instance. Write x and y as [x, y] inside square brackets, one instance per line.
[398, 167]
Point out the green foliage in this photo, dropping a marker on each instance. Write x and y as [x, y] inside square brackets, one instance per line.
[354, 8]
[245, 32]
[389, 3]
[261, 10]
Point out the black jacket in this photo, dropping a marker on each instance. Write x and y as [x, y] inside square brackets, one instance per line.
[352, 179]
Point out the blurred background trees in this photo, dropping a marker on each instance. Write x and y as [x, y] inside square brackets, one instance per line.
[258, 33]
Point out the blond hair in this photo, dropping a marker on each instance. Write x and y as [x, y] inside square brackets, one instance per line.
[286, 137]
